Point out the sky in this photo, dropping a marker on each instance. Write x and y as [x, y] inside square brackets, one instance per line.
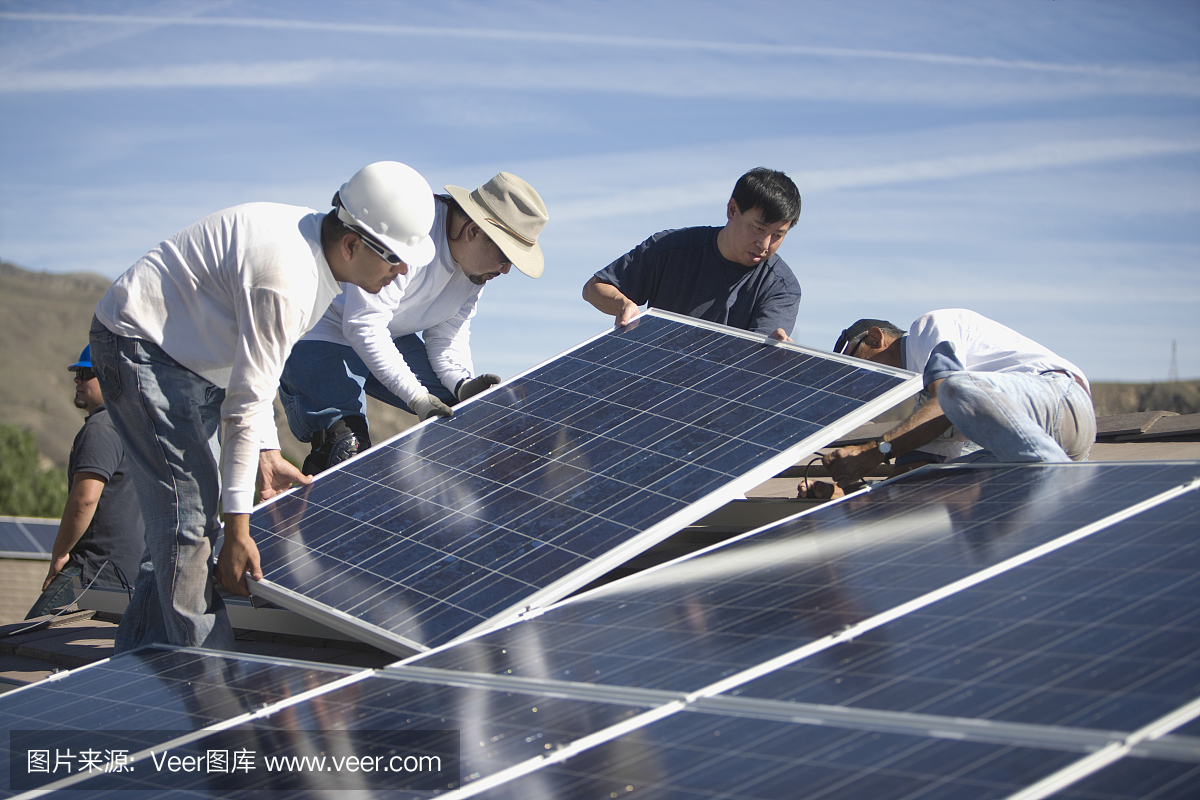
[1037, 161]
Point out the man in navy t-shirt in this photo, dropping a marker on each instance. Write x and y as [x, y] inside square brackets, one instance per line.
[729, 275]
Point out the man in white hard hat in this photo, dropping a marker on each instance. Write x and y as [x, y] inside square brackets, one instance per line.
[368, 344]
[190, 342]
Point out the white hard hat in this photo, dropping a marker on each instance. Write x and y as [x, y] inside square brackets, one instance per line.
[394, 204]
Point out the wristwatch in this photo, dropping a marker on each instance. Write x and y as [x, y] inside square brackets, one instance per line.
[885, 450]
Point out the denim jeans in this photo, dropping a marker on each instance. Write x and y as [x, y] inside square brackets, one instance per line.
[167, 417]
[59, 593]
[323, 382]
[1018, 417]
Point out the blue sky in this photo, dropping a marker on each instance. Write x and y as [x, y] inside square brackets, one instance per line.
[1037, 161]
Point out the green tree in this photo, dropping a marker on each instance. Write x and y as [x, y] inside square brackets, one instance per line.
[27, 490]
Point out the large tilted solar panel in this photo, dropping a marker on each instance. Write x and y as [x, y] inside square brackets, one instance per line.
[537, 487]
[154, 689]
[27, 537]
[702, 619]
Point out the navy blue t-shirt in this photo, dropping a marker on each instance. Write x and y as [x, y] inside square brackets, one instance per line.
[683, 271]
[117, 533]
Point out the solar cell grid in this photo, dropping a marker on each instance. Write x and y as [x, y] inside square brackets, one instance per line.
[22, 537]
[695, 755]
[153, 689]
[1137, 779]
[630, 435]
[699, 620]
[498, 728]
[1104, 633]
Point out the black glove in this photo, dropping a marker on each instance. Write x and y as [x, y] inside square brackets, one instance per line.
[469, 387]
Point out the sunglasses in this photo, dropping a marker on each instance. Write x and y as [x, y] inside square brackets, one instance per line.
[380, 250]
[852, 346]
[85, 373]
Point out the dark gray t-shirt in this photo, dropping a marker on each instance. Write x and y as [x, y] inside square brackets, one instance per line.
[116, 533]
[683, 271]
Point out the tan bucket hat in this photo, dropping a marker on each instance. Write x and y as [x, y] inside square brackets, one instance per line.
[512, 214]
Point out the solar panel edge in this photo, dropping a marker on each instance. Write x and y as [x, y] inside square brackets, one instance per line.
[1090, 764]
[331, 617]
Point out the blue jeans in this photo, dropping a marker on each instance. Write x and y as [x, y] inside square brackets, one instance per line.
[59, 593]
[1019, 417]
[323, 382]
[167, 417]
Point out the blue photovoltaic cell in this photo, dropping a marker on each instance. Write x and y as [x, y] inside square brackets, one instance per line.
[702, 619]
[693, 755]
[1137, 779]
[152, 689]
[496, 730]
[458, 520]
[27, 535]
[1103, 633]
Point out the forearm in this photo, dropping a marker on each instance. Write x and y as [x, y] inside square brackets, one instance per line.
[605, 297]
[78, 512]
[848, 465]
[926, 423]
[75, 521]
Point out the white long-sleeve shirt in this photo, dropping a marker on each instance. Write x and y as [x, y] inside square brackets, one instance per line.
[437, 301]
[227, 298]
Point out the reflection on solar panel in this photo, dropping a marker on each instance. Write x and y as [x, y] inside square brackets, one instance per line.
[1100, 634]
[770, 593]
[536, 488]
[1077, 581]
[151, 690]
[27, 537]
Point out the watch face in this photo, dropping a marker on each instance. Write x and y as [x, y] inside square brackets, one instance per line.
[885, 447]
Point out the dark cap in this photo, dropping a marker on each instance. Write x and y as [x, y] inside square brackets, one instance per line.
[856, 330]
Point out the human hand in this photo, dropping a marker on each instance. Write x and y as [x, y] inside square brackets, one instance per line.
[629, 310]
[239, 555]
[56, 566]
[781, 335]
[473, 386]
[426, 406]
[849, 465]
[818, 490]
[276, 474]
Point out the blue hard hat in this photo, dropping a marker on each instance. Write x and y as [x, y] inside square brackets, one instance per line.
[85, 359]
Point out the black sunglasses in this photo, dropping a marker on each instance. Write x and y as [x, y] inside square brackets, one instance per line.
[85, 373]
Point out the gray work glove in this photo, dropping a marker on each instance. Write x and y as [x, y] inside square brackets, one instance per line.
[426, 405]
[469, 387]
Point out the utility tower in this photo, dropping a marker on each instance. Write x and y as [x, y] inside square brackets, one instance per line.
[1174, 376]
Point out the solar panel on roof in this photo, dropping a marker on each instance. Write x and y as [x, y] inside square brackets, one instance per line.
[690, 755]
[1103, 519]
[543, 484]
[804, 581]
[27, 537]
[1102, 633]
[153, 689]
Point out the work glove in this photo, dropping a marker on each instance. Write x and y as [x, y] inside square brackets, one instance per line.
[469, 387]
[426, 405]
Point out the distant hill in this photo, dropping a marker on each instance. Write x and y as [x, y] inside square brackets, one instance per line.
[44, 321]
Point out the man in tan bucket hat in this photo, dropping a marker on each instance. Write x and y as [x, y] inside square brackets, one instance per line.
[409, 345]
